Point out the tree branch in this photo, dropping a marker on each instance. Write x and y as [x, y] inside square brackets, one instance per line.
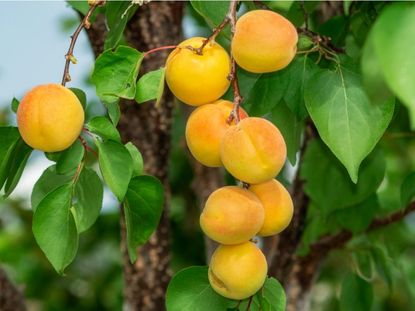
[327, 243]
[11, 299]
[70, 58]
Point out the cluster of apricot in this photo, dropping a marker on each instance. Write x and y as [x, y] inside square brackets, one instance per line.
[252, 150]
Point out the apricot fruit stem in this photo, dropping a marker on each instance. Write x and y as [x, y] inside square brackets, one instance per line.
[69, 57]
[87, 147]
[161, 48]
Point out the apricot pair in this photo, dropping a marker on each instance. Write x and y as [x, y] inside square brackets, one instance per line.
[232, 216]
[253, 151]
[50, 118]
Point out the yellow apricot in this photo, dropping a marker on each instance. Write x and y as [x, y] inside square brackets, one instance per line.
[264, 41]
[253, 151]
[50, 117]
[232, 215]
[237, 271]
[278, 206]
[198, 79]
[205, 129]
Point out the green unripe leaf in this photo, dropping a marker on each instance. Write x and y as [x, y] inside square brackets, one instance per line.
[150, 86]
[70, 158]
[104, 128]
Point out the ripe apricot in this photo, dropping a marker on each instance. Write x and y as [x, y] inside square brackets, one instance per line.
[50, 117]
[237, 271]
[253, 151]
[264, 41]
[205, 129]
[278, 206]
[198, 79]
[232, 215]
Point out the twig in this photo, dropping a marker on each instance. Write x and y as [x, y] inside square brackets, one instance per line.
[327, 243]
[237, 98]
[212, 36]
[321, 40]
[87, 147]
[249, 303]
[70, 58]
[167, 47]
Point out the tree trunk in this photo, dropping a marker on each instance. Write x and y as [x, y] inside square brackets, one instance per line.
[148, 127]
[11, 299]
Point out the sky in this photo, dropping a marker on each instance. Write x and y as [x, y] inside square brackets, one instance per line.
[32, 48]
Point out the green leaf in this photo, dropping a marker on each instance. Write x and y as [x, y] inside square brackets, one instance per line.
[104, 128]
[54, 228]
[15, 104]
[80, 6]
[212, 11]
[142, 207]
[116, 166]
[9, 136]
[393, 47]
[49, 181]
[117, 14]
[89, 194]
[271, 297]
[115, 73]
[150, 86]
[408, 189]
[296, 75]
[364, 264]
[70, 158]
[373, 80]
[341, 112]
[114, 111]
[291, 129]
[358, 217]
[189, 290]
[327, 182]
[265, 94]
[53, 156]
[383, 264]
[356, 294]
[16, 165]
[81, 96]
[138, 164]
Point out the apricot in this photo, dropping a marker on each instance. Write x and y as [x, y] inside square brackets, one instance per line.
[50, 117]
[278, 206]
[232, 215]
[205, 129]
[264, 41]
[198, 79]
[253, 151]
[237, 271]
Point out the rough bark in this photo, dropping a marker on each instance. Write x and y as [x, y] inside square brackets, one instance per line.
[11, 298]
[148, 127]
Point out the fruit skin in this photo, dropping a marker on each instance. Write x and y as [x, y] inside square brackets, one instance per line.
[232, 215]
[264, 41]
[205, 129]
[198, 79]
[237, 271]
[278, 206]
[50, 117]
[253, 151]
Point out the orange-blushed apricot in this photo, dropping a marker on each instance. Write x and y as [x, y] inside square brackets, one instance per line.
[205, 129]
[253, 151]
[232, 215]
[50, 117]
[237, 271]
[278, 206]
[264, 41]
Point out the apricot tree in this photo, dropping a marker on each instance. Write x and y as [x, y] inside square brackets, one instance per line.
[294, 104]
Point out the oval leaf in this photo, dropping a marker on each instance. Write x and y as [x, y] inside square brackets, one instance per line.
[355, 289]
[138, 163]
[104, 128]
[189, 290]
[142, 207]
[70, 158]
[116, 166]
[150, 86]
[9, 136]
[54, 228]
[341, 111]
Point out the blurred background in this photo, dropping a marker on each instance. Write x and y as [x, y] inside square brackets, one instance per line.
[35, 38]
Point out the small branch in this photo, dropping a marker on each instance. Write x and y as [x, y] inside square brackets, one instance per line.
[70, 58]
[212, 36]
[249, 303]
[327, 243]
[321, 40]
[237, 98]
[167, 47]
[87, 147]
